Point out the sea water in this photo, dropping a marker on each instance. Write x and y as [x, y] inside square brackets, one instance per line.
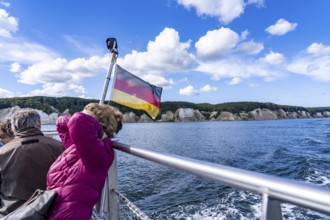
[298, 149]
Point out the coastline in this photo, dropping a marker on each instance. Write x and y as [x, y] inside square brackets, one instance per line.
[189, 115]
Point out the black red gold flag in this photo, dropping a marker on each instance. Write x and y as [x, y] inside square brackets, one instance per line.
[131, 91]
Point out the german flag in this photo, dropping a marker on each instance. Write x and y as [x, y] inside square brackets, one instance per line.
[133, 92]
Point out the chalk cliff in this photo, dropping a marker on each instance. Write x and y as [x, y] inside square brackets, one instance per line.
[45, 118]
[189, 114]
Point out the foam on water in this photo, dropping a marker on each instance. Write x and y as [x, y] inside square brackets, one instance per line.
[292, 212]
[319, 177]
[225, 208]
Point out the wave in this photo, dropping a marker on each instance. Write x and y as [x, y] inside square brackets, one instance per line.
[320, 178]
[312, 141]
[235, 205]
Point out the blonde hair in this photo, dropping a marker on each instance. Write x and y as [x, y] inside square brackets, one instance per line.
[108, 116]
[6, 132]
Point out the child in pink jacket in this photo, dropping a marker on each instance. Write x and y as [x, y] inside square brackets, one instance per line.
[79, 173]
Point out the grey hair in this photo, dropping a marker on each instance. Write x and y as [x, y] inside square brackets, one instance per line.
[25, 118]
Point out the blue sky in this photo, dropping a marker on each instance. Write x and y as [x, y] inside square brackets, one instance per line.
[212, 51]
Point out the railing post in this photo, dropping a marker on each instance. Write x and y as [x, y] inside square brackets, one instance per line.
[271, 208]
[109, 203]
[112, 183]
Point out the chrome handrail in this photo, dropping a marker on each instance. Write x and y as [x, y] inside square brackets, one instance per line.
[274, 190]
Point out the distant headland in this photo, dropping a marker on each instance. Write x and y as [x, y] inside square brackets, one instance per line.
[52, 107]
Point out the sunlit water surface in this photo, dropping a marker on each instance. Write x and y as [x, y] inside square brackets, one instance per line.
[297, 149]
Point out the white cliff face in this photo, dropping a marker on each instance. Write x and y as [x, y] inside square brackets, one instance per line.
[185, 113]
[244, 116]
[213, 115]
[199, 116]
[130, 117]
[144, 118]
[45, 118]
[326, 114]
[168, 116]
[226, 116]
[263, 114]
[281, 114]
[188, 114]
[303, 114]
[8, 112]
[318, 115]
[292, 115]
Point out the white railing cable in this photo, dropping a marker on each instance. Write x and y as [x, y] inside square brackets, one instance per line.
[131, 206]
[277, 189]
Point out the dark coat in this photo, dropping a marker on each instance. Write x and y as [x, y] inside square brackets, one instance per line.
[24, 163]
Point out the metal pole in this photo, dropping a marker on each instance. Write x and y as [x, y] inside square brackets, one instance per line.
[107, 197]
[112, 183]
[107, 79]
[271, 208]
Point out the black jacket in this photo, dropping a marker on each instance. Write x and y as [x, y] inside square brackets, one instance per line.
[24, 163]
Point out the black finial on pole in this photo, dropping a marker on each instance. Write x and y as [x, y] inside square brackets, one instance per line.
[112, 45]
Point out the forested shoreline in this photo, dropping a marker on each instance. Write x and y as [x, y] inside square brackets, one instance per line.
[74, 104]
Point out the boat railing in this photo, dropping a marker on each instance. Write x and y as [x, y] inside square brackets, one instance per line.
[273, 190]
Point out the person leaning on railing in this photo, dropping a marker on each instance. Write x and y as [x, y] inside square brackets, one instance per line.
[79, 174]
[24, 161]
[6, 133]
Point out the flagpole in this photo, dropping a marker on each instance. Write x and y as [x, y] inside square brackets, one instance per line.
[112, 46]
[108, 197]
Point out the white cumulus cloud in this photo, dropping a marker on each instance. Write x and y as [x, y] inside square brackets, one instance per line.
[15, 67]
[57, 89]
[244, 34]
[258, 2]
[62, 71]
[159, 80]
[5, 4]
[250, 47]
[225, 11]
[15, 50]
[281, 27]
[58, 77]
[318, 49]
[216, 43]
[166, 54]
[235, 80]
[208, 88]
[8, 24]
[189, 91]
[314, 64]
[4, 93]
[242, 68]
[19, 50]
[273, 58]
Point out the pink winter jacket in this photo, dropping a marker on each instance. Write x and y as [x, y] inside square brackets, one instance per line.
[78, 175]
